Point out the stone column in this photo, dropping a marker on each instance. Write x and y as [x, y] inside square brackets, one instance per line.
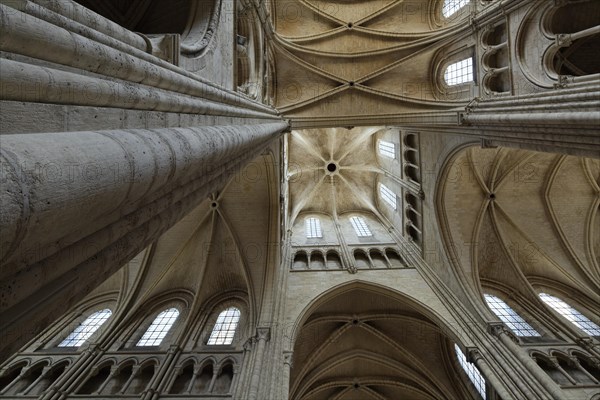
[285, 376]
[76, 206]
[262, 336]
[510, 341]
[475, 357]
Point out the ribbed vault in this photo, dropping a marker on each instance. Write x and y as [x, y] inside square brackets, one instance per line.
[364, 344]
[518, 218]
[364, 59]
[334, 171]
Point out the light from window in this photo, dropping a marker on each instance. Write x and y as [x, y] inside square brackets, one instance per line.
[471, 370]
[360, 227]
[387, 195]
[313, 228]
[86, 329]
[513, 320]
[452, 6]
[159, 328]
[459, 72]
[574, 316]
[225, 327]
[387, 149]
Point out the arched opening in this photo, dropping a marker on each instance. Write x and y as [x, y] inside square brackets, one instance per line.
[378, 259]
[395, 260]
[224, 380]
[580, 58]
[148, 17]
[48, 379]
[361, 260]
[95, 382]
[183, 380]
[141, 379]
[300, 261]
[30, 376]
[360, 339]
[333, 260]
[10, 375]
[202, 383]
[119, 380]
[316, 260]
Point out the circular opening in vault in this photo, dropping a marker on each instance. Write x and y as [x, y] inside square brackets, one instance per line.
[331, 167]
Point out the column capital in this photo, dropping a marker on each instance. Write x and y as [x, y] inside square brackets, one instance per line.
[473, 355]
[498, 329]
[263, 334]
[288, 358]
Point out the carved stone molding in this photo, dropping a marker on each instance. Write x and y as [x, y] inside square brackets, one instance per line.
[263, 334]
[498, 329]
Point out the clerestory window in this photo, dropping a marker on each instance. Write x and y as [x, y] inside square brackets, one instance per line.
[512, 320]
[459, 72]
[225, 327]
[571, 314]
[471, 370]
[159, 328]
[388, 196]
[360, 227]
[450, 7]
[86, 329]
[387, 149]
[312, 227]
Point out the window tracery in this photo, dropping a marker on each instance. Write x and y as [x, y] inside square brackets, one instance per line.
[388, 196]
[159, 328]
[459, 72]
[225, 327]
[313, 228]
[450, 7]
[512, 320]
[86, 329]
[387, 149]
[360, 227]
[571, 314]
[471, 371]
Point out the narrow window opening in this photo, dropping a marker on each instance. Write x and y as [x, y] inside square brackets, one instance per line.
[571, 314]
[225, 327]
[86, 329]
[513, 320]
[450, 7]
[313, 228]
[388, 196]
[387, 149]
[159, 328]
[360, 227]
[471, 371]
[459, 72]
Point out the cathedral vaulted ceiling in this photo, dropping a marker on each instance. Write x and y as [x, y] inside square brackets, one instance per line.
[515, 217]
[361, 344]
[360, 61]
[333, 171]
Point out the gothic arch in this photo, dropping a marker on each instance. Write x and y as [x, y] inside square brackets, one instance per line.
[492, 235]
[331, 319]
